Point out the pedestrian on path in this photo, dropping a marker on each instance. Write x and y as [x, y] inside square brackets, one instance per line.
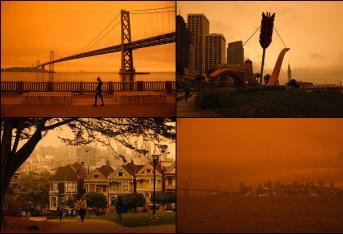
[119, 207]
[83, 206]
[27, 213]
[60, 213]
[99, 92]
[77, 209]
[187, 92]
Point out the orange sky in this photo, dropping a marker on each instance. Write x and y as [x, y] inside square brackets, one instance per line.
[29, 30]
[312, 30]
[221, 153]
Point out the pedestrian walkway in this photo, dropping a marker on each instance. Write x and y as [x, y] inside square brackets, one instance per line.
[188, 109]
[82, 106]
[104, 226]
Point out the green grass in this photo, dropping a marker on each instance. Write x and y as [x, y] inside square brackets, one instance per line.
[144, 219]
[271, 103]
[134, 219]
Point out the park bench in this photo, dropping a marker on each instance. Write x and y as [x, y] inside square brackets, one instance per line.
[56, 98]
[140, 97]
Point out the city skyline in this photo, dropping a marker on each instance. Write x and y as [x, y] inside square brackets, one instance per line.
[67, 26]
[311, 57]
[52, 139]
[255, 150]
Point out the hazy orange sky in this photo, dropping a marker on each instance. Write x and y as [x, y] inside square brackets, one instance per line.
[312, 30]
[221, 153]
[29, 30]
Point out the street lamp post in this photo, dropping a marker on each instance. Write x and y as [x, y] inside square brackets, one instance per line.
[108, 192]
[154, 159]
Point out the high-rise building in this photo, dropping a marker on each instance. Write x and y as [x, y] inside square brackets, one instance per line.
[183, 45]
[289, 73]
[235, 52]
[87, 155]
[214, 51]
[199, 26]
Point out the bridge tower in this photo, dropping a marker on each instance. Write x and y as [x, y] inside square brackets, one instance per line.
[126, 54]
[51, 65]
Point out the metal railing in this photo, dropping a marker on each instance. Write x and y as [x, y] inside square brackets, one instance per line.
[87, 87]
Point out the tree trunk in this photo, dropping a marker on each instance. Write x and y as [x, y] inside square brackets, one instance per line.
[134, 183]
[163, 180]
[11, 159]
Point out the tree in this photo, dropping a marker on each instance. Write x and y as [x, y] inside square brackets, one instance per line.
[164, 197]
[96, 200]
[20, 136]
[132, 169]
[133, 200]
[257, 77]
[293, 83]
[266, 78]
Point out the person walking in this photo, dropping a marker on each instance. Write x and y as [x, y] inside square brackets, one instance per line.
[60, 213]
[119, 207]
[77, 210]
[187, 92]
[99, 92]
[83, 206]
[27, 213]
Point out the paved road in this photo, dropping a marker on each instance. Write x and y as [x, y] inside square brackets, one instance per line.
[104, 226]
[188, 109]
[82, 106]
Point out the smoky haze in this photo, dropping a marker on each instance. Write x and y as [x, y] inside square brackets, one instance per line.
[29, 30]
[221, 153]
[312, 30]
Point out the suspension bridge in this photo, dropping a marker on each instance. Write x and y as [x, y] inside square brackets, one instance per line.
[127, 31]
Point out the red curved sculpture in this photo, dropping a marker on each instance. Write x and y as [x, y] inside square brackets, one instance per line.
[274, 79]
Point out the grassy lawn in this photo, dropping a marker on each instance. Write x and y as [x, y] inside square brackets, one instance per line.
[271, 103]
[144, 219]
[134, 219]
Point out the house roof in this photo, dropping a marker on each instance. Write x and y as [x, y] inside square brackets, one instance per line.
[70, 172]
[171, 168]
[106, 170]
[131, 166]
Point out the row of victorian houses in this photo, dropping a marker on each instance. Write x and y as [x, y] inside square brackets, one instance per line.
[74, 179]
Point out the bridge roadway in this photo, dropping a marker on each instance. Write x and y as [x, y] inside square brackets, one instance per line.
[147, 42]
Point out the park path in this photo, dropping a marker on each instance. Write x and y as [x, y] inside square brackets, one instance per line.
[188, 109]
[104, 226]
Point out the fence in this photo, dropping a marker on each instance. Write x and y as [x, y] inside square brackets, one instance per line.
[87, 87]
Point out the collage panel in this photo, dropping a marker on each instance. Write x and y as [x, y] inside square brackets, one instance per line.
[89, 59]
[88, 175]
[259, 59]
[171, 116]
[259, 175]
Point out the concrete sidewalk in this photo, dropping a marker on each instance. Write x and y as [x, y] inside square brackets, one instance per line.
[104, 226]
[82, 106]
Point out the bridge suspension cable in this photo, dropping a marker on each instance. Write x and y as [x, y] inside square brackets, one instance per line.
[152, 9]
[87, 46]
[99, 40]
[152, 22]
